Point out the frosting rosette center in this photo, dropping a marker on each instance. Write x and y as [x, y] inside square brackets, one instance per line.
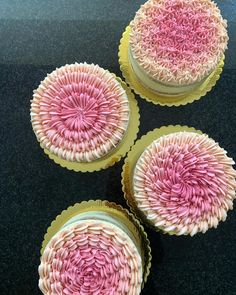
[184, 183]
[80, 112]
[90, 271]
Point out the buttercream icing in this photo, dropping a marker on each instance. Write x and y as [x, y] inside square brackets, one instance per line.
[92, 254]
[98, 215]
[159, 87]
[184, 183]
[80, 112]
[178, 42]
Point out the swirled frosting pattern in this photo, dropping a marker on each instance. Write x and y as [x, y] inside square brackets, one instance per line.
[184, 183]
[178, 42]
[90, 258]
[80, 112]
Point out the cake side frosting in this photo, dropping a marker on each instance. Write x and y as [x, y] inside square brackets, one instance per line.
[184, 183]
[80, 112]
[178, 42]
[147, 81]
[90, 257]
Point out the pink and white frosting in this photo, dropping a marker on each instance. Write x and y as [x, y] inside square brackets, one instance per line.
[184, 183]
[80, 112]
[178, 42]
[90, 257]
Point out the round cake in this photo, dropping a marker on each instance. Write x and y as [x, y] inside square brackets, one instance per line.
[80, 112]
[176, 44]
[94, 253]
[184, 183]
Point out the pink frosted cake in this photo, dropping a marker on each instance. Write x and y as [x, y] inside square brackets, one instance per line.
[80, 112]
[176, 44]
[184, 183]
[94, 253]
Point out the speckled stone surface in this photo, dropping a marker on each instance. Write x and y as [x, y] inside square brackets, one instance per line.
[36, 37]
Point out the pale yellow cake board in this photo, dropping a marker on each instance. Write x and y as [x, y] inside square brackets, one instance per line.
[150, 96]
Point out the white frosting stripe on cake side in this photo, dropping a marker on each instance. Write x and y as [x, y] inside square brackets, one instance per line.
[161, 88]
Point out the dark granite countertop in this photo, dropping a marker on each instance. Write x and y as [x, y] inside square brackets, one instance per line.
[36, 37]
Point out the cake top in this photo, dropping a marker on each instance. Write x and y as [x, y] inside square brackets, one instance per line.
[184, 183]
[91, 257]
[80, 112]
[178, 42]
